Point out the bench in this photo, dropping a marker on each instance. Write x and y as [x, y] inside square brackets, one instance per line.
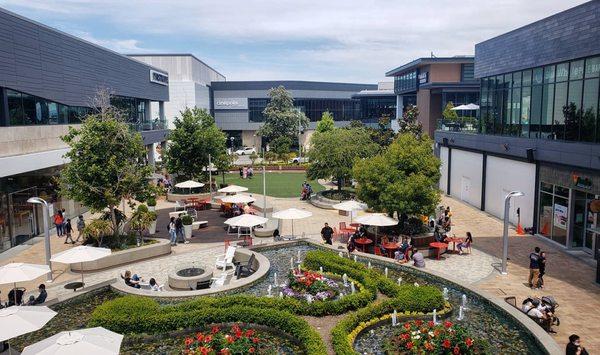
[199, 224]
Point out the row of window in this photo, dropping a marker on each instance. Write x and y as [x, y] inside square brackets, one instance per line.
[555, 102]
[405, 82]
[365, 108]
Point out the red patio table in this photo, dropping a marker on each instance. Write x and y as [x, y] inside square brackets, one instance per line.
[454, 241]
[363, 242]
[390, 248]
[438, 246]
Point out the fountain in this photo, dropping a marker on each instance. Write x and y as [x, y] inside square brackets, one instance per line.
[369, 265]
[445, 294]
[190, 272]
[298, 254]
[435, 321]
[460, 313]
[345, 279]
[275, 279]
[464, 301]
[321, 269]
[269, 291]
[355, 259]
[352, 287]
[280, 294]
[187, 278]
[292, 263]
[399, 280]
[394, 318]
[385, 271]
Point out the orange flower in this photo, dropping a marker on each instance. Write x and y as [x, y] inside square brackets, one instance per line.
[428, 346]
[446, 344]
[251, 350]
[409, 345]
[188, 341]
[208, 338]
[469, 342]
[203, 350]
[456, 350]
[406, 325]
[199, 336]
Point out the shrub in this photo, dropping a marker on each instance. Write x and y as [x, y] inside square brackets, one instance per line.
[151, 201]
[186, 220]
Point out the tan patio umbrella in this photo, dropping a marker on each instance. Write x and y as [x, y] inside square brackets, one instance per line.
[377, 220]
[20, 272]
[80, 254]
[232, 189]
[292, 213]
[350, 206]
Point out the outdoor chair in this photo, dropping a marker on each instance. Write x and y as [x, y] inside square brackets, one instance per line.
[226, 260]
[179, 206]
[245, 269]
[220, 281]
[192, 213]
[377, 251]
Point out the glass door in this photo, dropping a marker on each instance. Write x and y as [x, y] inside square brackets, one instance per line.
[23, 217]
[592, 222]
[579, 221]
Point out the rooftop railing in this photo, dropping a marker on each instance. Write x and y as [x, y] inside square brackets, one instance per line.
[462, 124]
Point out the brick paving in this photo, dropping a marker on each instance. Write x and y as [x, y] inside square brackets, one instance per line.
[568, 279]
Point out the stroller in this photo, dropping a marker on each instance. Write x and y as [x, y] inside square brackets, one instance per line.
[551, 305]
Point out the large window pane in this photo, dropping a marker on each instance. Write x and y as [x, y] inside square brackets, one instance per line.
[52, 112]
[576, 71]
[536, 111]
[549, 73]
[547, 110]
[506, 111]
[592, 67]
[562, 72]
[15, 108]
[538, 76]
[29, 109]
[560, 100]
[516, 112]
[572, 112]
[589, 120]
[525, 110]
[63, 114]
[560, 220]
[526, 78]
[41, 111]
[517, 79]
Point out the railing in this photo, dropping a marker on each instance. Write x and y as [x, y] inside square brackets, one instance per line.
[462, 124]
[149, 126]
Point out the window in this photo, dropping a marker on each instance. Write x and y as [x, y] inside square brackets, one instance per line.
[526, 81]
[560, 100]
[517, 79]
[29, 109]
[589, 107]
[256, 108]
[562, 72]
[592, 67]
[549, 74]
[553, 209]
[572, 112]
[536, 111]
[467, 71]
[53, 113]
[538, 76]
[15, 108]
[547, 111]
[576, 71]
[525, 110]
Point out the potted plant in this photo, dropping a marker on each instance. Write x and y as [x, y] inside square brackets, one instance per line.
[151, 203]
[152, 227]
[187, 225]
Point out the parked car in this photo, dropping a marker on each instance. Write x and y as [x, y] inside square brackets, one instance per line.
[298, 160]
[246, 151]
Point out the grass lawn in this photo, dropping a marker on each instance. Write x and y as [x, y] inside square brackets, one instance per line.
[279, 184]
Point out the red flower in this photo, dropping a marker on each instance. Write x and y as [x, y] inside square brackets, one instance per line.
[446, 344]
[203, 350]
[428, 346]
[249, 333]
[255, 340]
[405, 336]
[229, 339]
[199, 336]
[406, 325]
[409, 345]
[215, 330]
[469, 342]
[418, 322]
[430, 324]
[456, 350]
[447, 324]
[208, 338]
[188, 341]
[251, 350]
[436, 332]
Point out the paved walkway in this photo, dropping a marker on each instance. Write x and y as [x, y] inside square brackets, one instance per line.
[568, 279]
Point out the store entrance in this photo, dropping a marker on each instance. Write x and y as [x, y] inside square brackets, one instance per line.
[587, 219]
[23, 216]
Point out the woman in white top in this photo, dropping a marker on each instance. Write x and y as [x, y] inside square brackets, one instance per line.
[153, 285]
[172, 231]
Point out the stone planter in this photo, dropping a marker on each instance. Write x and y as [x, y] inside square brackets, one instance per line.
[152, 208]
[187, 231]
[152, 228]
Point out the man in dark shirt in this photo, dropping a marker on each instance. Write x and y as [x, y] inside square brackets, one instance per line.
[41, 298]
[574, 347]
[179, 228]
[534, 267]
[327, 233]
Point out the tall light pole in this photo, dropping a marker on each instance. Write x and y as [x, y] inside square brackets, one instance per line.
[505, 234]
[46, 216]
[264, 185]
[209, 177]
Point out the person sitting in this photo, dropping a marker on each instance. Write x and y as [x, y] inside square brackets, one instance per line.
[466, 244]
[418, 259]
[235, 210]
[153, 285]
[129, 281]
[41, 298]
[276, 235]
[447, 225]
[15, 296]
[351, 246]
[531, 308]
[574, 347]
[400, 254]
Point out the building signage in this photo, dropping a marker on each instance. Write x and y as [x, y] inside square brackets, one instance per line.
[561, 214]
[581, 181]
[231, 103]
[424, 77]
[159, 78]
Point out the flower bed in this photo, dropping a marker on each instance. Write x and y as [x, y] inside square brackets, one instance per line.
[311, 285]
[417, 337]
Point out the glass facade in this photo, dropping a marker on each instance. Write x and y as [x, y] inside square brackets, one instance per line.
[374, 107]
[25, 109]
[558, 101]
[405, 82]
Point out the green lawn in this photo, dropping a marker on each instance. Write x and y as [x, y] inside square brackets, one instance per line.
[279, 184]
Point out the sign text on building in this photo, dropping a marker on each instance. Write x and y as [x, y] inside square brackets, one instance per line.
[158, 77]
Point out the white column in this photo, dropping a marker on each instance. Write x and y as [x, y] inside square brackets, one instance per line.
[399, 110]
[161, 111]
[150, 151]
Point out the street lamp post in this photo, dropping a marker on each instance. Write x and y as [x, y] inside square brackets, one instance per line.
[264, 185]
[46, 216]
[505, 233]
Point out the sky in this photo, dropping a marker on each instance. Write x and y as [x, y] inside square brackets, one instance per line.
[331, 40]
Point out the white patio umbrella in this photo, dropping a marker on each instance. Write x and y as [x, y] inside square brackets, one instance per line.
[90, 341]
[350, 206]
[80, 254]
[377, 220]
[20, 272]
[468, 107]
[19, 320]
[189, 184]
[292, 213]
[245, 221]
[238, 198]
[233, 189]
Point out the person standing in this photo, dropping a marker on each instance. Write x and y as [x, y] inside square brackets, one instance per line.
[542, 264]
[68, 229]
[58, 223]
[80, 227]
[327, 233]
[574, 347]
[534, 267]
[179, 228]
[172, 231]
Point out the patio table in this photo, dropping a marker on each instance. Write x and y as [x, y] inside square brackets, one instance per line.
[363, 242]
[438, 246]
[390, 248]
[454, 241]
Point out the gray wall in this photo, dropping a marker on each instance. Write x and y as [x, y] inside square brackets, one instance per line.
[571, 34]
[41, 61]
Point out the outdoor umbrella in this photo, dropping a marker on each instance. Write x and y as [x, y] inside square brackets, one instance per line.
[377, 220]
[245, 221]
[80, 254]
[233, 189]
[17, 320]
[90, 341]
[19, 272]
[468, 107]
[292, 213]
[350, 206]
[189, 184]
[238, 198]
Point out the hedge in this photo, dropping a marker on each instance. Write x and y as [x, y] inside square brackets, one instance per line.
[135, 314]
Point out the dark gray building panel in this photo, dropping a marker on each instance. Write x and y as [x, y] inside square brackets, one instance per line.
[571, 34]
[45, 62]
[290, 85]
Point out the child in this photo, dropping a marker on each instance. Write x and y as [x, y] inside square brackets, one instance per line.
[67, 230]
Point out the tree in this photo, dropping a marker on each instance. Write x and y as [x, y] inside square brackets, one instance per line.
[223, 163]
[281, 146]
[333, 153]
[326, 123]
[195, 137]
[401, 179]
[108, 163]
[383, 135]
[449, 114]
[281, 117]
[141, 220]
[409, 122]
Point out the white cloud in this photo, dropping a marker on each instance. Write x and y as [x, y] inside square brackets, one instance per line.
[352, 40]
[117, 45]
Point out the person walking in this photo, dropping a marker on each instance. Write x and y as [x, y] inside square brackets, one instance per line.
[172, 231]
[80, 227]
[327, 233]
[68, 230]
[542, 264]
[58, 223]
[534, 268]
[179, 228]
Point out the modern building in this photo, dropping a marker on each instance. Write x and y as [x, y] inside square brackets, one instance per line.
[238, 105]
[47, 81]
[189, 81]
[430, 83]
[538, 129]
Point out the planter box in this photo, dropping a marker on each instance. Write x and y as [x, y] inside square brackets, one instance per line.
[152, 228]
[187, 229]
[125, 256]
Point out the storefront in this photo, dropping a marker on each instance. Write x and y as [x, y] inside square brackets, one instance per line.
[569, 207]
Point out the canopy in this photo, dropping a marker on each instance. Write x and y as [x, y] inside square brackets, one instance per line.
[80, 254]
[468, 107]
[233, 189]
[91, 341]
[19, 272]
[19, 320]
[238, 198]
[190, 184]
[350, 206]
[377, 219]
[292, 213]
[246, 220]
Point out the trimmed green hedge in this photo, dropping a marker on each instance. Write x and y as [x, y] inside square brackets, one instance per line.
[135, 314]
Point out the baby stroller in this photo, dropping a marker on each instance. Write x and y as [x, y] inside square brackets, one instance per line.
[551, 305]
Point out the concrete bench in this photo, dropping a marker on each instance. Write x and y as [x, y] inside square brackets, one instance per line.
[199, 224]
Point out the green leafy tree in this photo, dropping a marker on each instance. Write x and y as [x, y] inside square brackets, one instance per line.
[326, 123]
[401, 179]
[333, 153]
[449, 114]
[141, 220]
[195, 137]
[223, 163]
[409, 122]
[383, 135]
[281, 146]
[108, 163]
[281, 117]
